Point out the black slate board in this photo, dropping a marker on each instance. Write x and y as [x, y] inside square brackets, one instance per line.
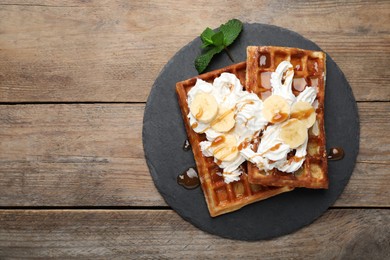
[164, 135]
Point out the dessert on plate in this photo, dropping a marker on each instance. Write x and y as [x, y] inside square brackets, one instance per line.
[256, 128]
[217, 113]
[291, 150]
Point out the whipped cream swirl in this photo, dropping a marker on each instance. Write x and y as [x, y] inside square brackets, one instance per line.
[272, 151]
[247, 107]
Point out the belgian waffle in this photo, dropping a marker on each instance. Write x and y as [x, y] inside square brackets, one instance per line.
[310, 66]
[220, 197]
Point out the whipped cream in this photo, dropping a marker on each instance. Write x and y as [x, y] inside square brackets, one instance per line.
[272, 151]
[249, 121]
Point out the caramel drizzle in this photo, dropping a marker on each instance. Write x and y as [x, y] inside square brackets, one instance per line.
[302, 114]
[221, 117]
[199, 114]
[217, 141]
[279, 117]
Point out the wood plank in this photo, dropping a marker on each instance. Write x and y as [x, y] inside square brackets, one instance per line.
[136, 234]
[73, 154]
[92, 155]
[107, 50]
[369, 183]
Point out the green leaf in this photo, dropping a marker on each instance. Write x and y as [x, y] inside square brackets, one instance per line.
[206, 36]
[218, 39]
[231, 30]
[203, 60]
[205, 45]
[214, 42]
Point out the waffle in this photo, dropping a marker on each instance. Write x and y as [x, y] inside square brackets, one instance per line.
[310, 65]
[221, 197]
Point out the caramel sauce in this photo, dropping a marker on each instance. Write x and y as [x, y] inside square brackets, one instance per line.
[273, 148]
[288, 123]
[199, 114]
[243, 145]
[186, 145]
[286, 74]
[302, 114]
[194, 125]
[224, 151]
[336, 153]
[219, 149]
[217, 141]
[186, 181]
[276, 147]
[221, 117]
[218, 162]
[279, 117]
[232, 150]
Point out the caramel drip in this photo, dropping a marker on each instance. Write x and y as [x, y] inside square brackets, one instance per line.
[217, 141]
[302, 114]
[273, 148]
[276, 147]
[219, 149]
[186, 145]
[336, 153]
[199, 114]
[248, 102]
[279, 117]
[243, 145]
[187, 181]
[221, 117]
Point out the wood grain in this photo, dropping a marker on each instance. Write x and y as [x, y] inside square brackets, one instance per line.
[113, 50]
[136, 234]
[92, 155]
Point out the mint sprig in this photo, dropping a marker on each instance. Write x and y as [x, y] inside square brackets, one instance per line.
[214, 42]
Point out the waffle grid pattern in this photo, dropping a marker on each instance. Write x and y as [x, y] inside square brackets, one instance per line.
[221, 197]
[309, 67]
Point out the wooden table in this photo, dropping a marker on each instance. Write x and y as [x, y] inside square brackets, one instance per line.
[74, 78]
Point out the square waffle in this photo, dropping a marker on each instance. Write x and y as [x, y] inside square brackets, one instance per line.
[308, 66]
[221, 197]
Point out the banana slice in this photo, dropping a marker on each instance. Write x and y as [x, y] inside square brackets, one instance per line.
[293, 133]
[276, 109]
[224, 148]
[304, 112]
[224, 121]
[204, 107]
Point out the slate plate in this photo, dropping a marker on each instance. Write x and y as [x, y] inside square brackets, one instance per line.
[164, 135]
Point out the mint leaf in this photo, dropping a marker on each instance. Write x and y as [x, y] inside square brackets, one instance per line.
[231, 30]
[203, 60]
[206, 37]
[214, 42]
[207, 34]
[218, 39]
